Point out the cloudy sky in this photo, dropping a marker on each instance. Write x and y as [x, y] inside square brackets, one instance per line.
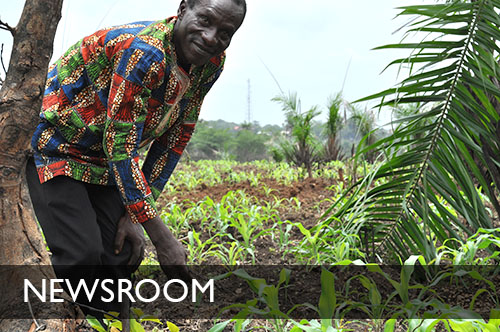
[308, 45]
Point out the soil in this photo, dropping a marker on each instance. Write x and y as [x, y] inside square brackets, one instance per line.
[314, 195]
[310, 192]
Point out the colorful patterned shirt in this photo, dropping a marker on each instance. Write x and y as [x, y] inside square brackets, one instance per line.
[112, 93]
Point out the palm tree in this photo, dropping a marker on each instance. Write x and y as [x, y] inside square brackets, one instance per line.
[365, 122]
[333, 125]
[440, 162]
[301, 149]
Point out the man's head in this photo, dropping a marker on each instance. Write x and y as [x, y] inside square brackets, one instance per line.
[204, 28]
[241, 3]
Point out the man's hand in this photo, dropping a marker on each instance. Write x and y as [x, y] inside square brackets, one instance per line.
[171, 253]
[134, 234]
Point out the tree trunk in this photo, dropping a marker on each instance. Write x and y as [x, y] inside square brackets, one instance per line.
[20, 102]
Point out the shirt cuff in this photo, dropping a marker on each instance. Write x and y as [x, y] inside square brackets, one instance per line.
[143, 210]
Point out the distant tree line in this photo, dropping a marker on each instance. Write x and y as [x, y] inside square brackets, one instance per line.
[228, 140]
[243, 142]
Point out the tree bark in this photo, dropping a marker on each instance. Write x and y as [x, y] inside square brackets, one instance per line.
[20, 102]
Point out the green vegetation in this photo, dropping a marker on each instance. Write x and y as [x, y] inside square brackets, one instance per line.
[333, 140]
[439, 176]
[228, 229]
[423, 198]
[222, 140]
[299, 146]
[333, 125]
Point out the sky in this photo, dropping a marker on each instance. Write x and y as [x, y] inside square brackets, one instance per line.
[315, 48]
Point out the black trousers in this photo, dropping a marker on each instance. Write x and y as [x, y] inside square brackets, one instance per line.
[79, 222]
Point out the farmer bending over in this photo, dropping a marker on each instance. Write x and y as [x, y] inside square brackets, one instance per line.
[114, 92]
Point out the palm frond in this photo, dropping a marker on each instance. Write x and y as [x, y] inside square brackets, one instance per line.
[440, 163]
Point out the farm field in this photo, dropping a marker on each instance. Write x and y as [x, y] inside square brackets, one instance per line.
[233, 213]
[262, 214]
[268, 196]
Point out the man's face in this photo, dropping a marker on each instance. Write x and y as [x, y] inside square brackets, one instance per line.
[205, 30]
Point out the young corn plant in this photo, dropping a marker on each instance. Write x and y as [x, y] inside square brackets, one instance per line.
[138, 317]
[467, 253]
[176, 220]
[308, 251]
[266, 303]
[459, 325]
[272, 204]
[324, 244]
[285, 174]
[219, 215]
[199, 250]
[249, 227]
[424, 302]
[266, 190]
[234, 255]
[281, 235]
[328, 310]
[209, 175]
[295, 202]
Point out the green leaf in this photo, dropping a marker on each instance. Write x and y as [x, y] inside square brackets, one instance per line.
[390, 325]
[135, 326]
[172, 327]
[219, 327]
[95, 324]
[462, 325]
[424, 190]
[328, 298]
[150, 318]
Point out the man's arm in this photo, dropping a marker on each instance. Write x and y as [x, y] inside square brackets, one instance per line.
[129, 93]
[160, 162]
[165, 152]
[171, 254]
[134, 76]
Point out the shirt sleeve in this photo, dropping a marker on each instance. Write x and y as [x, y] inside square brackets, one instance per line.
[165, 151]
[136, 71]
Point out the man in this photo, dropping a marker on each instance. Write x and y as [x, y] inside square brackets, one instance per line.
[114, 92]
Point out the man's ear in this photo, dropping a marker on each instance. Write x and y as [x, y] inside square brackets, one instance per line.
[182, 9]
